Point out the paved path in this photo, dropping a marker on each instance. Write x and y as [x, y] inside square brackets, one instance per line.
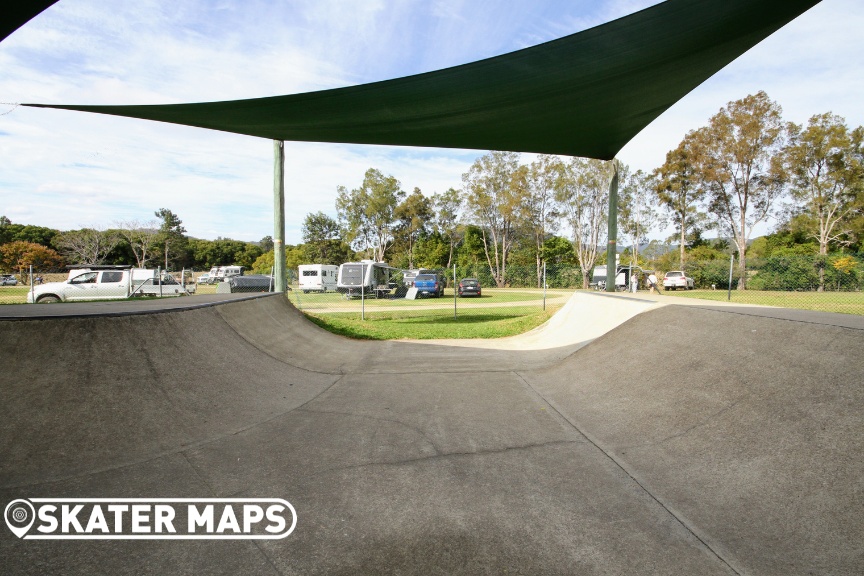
[687, 440]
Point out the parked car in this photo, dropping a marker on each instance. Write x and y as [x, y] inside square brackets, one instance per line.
[469, 287]
[8, 280]
[677, 279]
[430, 284]
[204, 278]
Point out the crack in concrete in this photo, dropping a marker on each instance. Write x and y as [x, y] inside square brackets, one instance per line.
[416, 429]
[448, 455]
[679, 518]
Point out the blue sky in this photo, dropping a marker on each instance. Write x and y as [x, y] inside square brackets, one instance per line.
[67, 170]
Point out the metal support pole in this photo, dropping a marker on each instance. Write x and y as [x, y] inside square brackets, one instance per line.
[280, 280]
[612, 246]
[362, 291]
[731, 260]
[455, 290]
[32, 293]
[159, 279]
[544, 286]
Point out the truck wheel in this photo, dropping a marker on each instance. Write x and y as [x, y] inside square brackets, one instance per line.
[49, 299]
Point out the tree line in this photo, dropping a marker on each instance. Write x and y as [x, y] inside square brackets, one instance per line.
[161, 241]
[745, 167]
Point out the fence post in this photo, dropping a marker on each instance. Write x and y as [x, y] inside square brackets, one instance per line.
[362, 291]
[544, 286]
[32, 293]
[731, 260]
[455, 290]
[271, 280]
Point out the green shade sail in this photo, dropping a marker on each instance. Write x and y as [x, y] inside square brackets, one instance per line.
[587, 94]
[16, 13]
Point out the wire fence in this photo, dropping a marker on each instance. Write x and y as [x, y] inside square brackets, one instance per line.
[833, 283]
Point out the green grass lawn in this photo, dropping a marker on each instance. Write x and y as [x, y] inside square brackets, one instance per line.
[426, 324]
[843, 302]
[13, 294]
[331, 300]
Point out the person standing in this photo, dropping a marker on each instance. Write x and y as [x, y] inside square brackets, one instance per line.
[652, 282]
[634, 283]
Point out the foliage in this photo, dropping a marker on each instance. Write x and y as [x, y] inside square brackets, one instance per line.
[583, 195]
[367, 214]
[680, 191]
[495, 188]
[10, 232]
[20, 255]
[737, 159]
[87, 246]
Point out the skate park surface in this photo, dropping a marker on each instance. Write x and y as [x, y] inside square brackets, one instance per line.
[629, 435]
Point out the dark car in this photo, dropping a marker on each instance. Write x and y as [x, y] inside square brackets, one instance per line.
[469, 287]
[8, 280]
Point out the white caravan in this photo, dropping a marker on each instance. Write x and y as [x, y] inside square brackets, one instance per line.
[317, 277]
[365, 278]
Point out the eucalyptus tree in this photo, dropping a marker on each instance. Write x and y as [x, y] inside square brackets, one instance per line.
[171, 232]
[87, 245]
[582, 192]
[495, 189]
[414, 214]
[448, 207]
[637, 209]
[826, 180]
[738, 159]
[539, 211]
[368, 214]
[142, 238]
[680, 190]
[321, 239]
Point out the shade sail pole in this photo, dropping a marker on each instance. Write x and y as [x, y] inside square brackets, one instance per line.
[612, 246]
[279, 283]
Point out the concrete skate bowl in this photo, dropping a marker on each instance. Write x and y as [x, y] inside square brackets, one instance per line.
[685, 441]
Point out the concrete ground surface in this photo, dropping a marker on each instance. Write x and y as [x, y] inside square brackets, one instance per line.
[687, 440]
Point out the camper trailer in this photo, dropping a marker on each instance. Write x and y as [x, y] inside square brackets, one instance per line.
[317, 277]
[365, 278]
[223, 273]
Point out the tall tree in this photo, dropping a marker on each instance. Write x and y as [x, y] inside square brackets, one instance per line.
[447, 207]
[322, 244]
[171, 233]
[583, 195]
[637, 209]
[367, 214]
[680, 191]
[141, 237]
[414, 214]
[827, 180]
[86, 246]
[539, 212]
[20, 255]
[495, 187]
[738, 160]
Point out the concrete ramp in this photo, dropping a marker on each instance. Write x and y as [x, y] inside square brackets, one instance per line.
[684, 441]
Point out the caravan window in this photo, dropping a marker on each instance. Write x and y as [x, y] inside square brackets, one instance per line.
[351, 274]
[310, 273]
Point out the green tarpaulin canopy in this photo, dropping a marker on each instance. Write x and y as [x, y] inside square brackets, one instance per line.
[587, 94]
[16, 13]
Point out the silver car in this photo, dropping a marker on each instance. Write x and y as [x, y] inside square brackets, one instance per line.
[677, 279]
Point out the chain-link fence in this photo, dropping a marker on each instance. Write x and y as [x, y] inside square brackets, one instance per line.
[833, 283]
[467, 300]
[828, 283]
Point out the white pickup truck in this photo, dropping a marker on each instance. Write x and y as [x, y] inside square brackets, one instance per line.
[108, 284]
